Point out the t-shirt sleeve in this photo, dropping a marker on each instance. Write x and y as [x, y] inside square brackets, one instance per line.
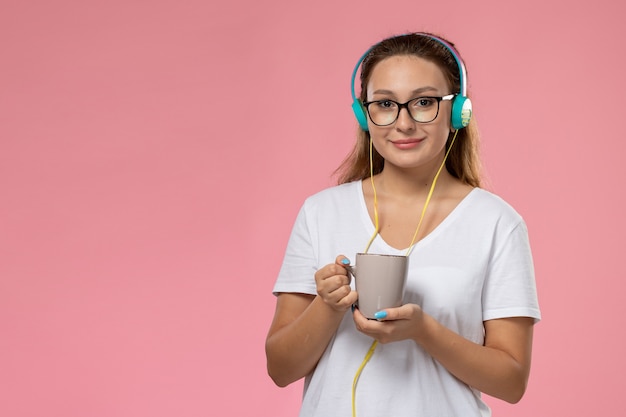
[297, 273]
[510, 289]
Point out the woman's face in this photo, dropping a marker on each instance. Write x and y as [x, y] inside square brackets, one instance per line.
[406, 143]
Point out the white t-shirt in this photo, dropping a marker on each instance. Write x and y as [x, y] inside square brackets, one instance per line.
[475, 266]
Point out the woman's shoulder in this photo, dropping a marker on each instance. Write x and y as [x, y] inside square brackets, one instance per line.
[338, 194]
[485, 203]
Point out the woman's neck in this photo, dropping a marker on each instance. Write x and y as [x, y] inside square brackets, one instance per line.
[411, 183]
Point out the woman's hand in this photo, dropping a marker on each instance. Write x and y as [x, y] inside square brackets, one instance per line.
[304, 324]
[392, 324]
[333, 285]
[499, 367]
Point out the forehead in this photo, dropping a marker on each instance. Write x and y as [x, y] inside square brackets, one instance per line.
[402, 73]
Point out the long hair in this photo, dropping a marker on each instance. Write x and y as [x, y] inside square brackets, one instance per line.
[463, 161]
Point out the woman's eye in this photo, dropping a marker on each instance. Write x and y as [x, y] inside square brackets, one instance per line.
[423, 102]
[386, 104]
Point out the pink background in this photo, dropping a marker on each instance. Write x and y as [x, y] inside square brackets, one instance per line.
[154, 154]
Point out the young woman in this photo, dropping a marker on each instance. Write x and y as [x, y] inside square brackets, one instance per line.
[470, 299]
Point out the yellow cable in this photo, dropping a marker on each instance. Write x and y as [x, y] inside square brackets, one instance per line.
[358, 374]
[370, 352]
[430, 193]
[375, 199]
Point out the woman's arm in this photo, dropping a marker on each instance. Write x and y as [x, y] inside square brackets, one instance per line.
[304, 324]
[499, 368]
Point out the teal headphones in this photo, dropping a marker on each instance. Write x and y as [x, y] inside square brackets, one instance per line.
[461, 105]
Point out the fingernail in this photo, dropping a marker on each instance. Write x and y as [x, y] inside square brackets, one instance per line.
[380, 315]
[345, 261]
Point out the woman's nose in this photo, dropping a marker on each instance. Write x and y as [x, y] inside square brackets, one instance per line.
[405, 121]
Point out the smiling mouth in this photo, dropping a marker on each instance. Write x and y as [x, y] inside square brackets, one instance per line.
[406, 141]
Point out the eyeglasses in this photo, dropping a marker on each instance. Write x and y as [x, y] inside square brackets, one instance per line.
[422, 109]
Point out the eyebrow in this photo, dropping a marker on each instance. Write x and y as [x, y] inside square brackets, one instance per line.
[417, 91]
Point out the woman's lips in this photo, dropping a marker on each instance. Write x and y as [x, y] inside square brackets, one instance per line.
[406, 143]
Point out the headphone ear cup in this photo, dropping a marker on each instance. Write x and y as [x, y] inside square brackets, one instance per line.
[360, 114]
[461, 112]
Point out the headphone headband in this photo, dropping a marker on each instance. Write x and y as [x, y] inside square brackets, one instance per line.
[356, 69]
[457, 58]
[461, 106]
